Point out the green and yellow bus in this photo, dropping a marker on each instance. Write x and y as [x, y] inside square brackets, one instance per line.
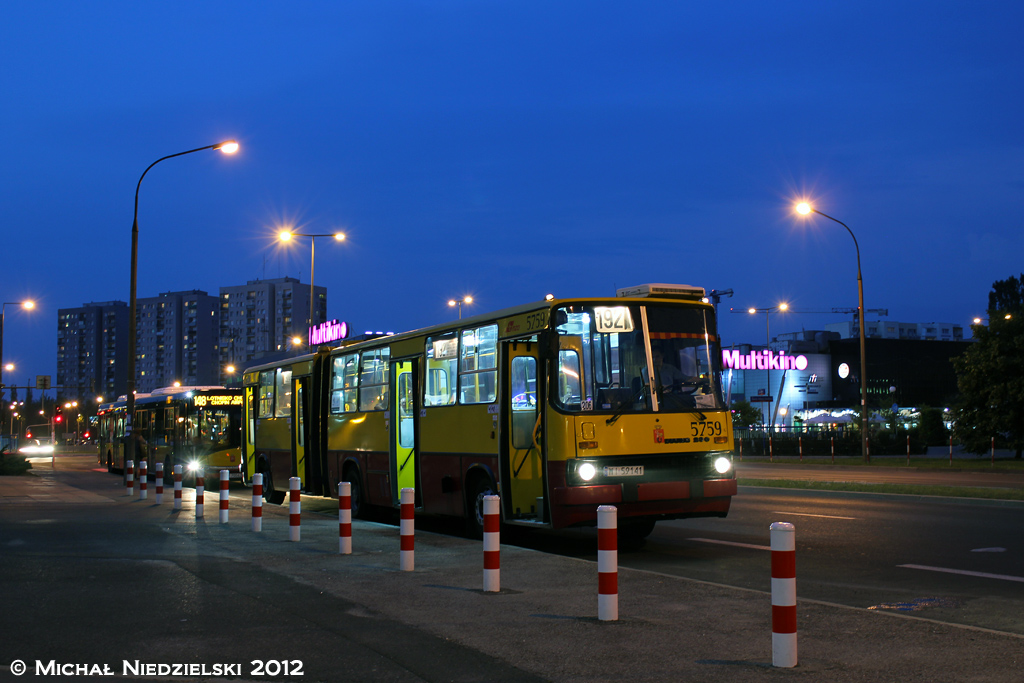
[548, 404]
[199, 428]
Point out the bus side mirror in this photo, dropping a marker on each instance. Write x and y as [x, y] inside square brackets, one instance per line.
[548, 344]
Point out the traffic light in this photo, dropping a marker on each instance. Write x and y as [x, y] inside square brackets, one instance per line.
[58, 415]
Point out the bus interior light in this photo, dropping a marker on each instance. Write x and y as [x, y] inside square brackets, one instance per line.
[722, 465]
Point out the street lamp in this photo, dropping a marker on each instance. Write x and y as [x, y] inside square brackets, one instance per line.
[805, 209]
[227, 147]
[287, 235]
[782, 308]
[28, 305]
[458, 302]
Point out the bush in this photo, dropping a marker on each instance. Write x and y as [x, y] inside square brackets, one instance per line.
[13, 464]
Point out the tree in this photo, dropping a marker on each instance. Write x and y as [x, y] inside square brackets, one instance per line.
[744, 415]
[990, 375]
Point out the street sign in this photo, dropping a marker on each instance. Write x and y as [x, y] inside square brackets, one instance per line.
[42, 381]
[760, 399]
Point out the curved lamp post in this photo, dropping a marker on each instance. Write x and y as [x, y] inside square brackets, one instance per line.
[287, 235]
[28, 306]
[805, 209]
[228, 147]
[458, 302]
[782, 308]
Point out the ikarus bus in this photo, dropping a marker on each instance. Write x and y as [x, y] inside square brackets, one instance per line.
[558, 406]
[199, 428]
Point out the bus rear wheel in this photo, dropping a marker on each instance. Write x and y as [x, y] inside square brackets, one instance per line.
[271, 494]
[351, 475]
[479, 487]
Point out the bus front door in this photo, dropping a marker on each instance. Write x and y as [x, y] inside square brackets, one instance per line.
[402, 415]
[249, 433]
[522, 454]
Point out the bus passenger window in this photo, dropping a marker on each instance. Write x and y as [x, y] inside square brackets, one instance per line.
[442, 370]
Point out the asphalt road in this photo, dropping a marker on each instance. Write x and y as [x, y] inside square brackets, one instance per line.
[947, 559]
[881, 475]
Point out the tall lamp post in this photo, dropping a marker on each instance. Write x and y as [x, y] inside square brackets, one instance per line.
[227, 147]
[458, 302]
[28, 306]
[805, 209]
[783, 307]
[287, 235]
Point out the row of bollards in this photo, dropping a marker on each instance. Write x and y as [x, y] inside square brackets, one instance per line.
[783, 546]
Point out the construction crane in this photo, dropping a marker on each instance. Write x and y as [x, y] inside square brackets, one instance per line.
[883, 312]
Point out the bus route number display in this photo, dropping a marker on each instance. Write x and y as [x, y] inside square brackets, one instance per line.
[611, 319]
[229, 400]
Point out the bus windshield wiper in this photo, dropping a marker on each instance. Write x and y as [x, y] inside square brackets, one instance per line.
[626, 404]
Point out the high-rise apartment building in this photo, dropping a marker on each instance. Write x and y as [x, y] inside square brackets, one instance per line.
[262, 316]
[189, 337]
[90, 342]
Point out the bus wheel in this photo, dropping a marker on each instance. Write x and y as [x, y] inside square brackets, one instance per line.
[479, 487]
[358, 506]
[632, 532]
[269, 492]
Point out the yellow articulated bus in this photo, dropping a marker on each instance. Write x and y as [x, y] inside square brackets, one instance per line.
[549, 404]
[199, 428]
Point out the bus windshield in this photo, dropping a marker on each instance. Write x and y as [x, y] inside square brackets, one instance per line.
[607, 355]
[217, 429]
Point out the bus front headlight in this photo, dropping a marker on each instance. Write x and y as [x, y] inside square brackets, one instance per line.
[193, 466]
[586, 471]
[722, 465]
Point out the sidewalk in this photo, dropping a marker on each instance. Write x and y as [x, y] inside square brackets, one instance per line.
[544, 619]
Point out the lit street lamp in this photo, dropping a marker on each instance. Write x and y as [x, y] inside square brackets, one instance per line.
[782, 308]
[287, 235]
[28, 306]
[458, 302]
[805, 209]
[227, 147]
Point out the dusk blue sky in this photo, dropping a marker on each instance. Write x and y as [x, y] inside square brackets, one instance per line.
[512, 149]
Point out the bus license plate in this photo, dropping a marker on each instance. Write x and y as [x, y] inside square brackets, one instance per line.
[628, 471]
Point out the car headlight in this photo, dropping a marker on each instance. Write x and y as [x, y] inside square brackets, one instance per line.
[722, 465]
[193, 466]
[586, 471]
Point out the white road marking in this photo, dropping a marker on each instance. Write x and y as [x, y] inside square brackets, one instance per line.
[808, 514]
[1003, 577]
[989, 550]
[733, 543]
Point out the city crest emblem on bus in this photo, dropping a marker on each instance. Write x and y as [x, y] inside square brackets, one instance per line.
[659, 435]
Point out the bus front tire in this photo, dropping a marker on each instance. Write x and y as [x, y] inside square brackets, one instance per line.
[351, 475]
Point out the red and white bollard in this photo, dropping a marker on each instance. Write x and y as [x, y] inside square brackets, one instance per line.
[177, 487]
[344, 518]
[607, 563]
[200, 492]
[129, 474]
[783, 543]
[294, 509]
[492, 544]
[257, 502]
[224, 493]
[407, 530]
[143, 490]
[158, 479]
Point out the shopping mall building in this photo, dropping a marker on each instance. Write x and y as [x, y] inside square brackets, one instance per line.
[814, 376]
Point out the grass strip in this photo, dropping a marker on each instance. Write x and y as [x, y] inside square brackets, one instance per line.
[906, 489]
